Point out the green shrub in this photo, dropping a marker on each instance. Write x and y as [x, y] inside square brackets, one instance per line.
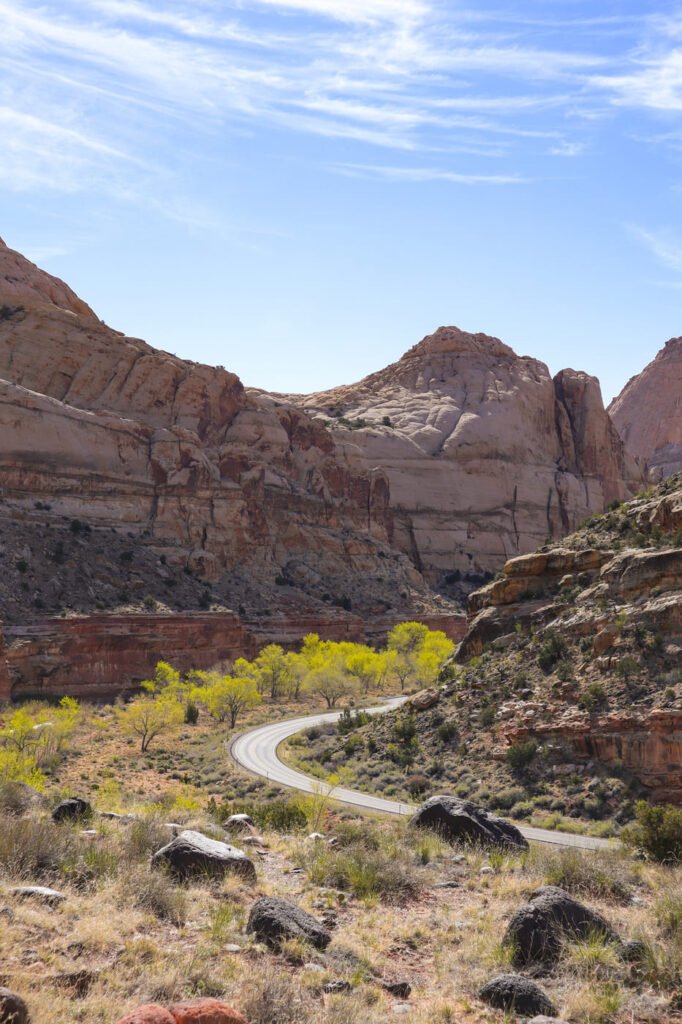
[520, 755]
[349, 721]
[447, 732]
[416, 784]
[487, 715]
[279, 815]
[191, 714]
[594, 696]
[657, 831]
[552, 649]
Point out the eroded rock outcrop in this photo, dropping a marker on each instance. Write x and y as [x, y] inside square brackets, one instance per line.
[245, 493]
[648, 412]
[486, 454]
[605, 614]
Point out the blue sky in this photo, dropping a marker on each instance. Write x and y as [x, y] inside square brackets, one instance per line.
[300, 191]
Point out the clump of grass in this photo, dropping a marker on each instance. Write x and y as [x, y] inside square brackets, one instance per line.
[374, 863]
[269, 996]
[155, 892]
[607, 876]
[594, 958]
[35, 848]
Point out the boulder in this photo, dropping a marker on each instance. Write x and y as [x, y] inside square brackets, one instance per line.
[543, 1019]
[192, 854]
[13, 1009]
[272, 919]
[39, 892]
[462, 821]
[18, 797]
[205, 1011]
[72, 809]
[510, 992]
[538, 929]
[425, 699]
[150, 1013]
[239, 823]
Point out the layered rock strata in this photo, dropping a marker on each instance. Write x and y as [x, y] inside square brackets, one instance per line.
[648, 412]
[103, 429]
[486, 454]
[606, 623]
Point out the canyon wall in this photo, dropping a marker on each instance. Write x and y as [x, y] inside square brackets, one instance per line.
[102, 656]
[648, 412]
[486, 454]
[245, 493]
[593, 631]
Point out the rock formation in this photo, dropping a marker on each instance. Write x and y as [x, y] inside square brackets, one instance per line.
[486, 454]
[648, 412]
[236, 489]
[605, 610]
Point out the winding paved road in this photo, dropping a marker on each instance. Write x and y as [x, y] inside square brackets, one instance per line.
[257, 752]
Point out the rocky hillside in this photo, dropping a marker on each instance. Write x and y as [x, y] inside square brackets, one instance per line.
[129, 477]
[648, 412]
[486, 454]
[566, 697]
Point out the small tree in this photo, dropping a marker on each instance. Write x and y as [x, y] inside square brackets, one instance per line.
[332, 683]
[657, 830]
[227, 697]
[272, 669]
[148, 717]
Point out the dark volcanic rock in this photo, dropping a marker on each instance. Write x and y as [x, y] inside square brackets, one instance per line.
[272, 920]
[72, 809]
[538, 929]
[192, 854]
[13, 1009]
[520, 995]
[462, 821]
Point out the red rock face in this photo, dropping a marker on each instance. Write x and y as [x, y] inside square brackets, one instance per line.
[103, 428]
[99, 656]
[151, 1013]
[486, 454]
[648, 412]
[205, 1011]
[647, 744]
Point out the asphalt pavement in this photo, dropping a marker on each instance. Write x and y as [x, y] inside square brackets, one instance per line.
[256, 751]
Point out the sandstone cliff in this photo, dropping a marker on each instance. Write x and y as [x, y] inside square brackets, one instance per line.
[596, 626]
[486, 454]
[129, 474]
[648, 412]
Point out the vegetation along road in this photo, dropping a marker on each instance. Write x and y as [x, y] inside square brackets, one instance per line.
[257, 752]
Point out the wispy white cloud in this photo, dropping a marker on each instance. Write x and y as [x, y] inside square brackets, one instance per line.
[414, 76]
[421, 174]
[565, 148]
[666, 249]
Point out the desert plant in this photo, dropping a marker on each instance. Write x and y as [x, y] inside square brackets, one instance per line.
[520, 755]
[657, 831]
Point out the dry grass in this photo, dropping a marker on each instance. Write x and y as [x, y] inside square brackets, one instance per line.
[128, 934]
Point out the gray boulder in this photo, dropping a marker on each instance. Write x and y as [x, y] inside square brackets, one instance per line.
[13, 1009]
[538, 930]
[271, 920]
[461, 821]
[515, 994]
[191, 855]
[39, 892]
[73, 809]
